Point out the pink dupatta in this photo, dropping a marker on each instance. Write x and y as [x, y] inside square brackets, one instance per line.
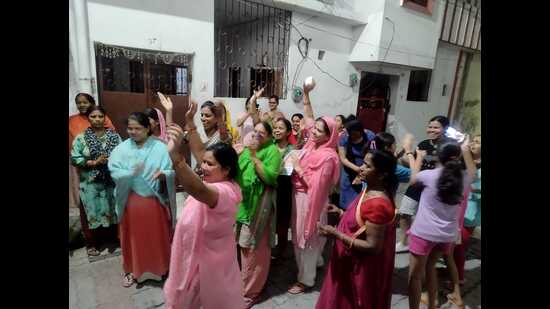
[319, 181]
[162, 125]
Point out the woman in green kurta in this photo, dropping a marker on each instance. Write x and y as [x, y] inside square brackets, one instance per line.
[90, 153]
[259, 166]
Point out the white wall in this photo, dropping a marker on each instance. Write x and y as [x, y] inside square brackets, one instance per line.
[329, 97]
[178, 26]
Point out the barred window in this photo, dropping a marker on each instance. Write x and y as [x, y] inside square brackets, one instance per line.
[251, 48]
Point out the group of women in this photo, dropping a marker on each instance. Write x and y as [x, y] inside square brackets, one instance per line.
[254, 182]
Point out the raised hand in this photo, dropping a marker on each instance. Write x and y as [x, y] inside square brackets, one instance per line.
[175, 138]
[165, 102]
[191, 111]
[258, 93]
[407, 142]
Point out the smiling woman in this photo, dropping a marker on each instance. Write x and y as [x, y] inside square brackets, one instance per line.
[145, 201]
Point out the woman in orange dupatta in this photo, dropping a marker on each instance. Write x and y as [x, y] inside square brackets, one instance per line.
[77, 124]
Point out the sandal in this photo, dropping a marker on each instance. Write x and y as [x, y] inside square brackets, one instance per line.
[128, 280]
[93, 252]
[451, 298]
[297, 288]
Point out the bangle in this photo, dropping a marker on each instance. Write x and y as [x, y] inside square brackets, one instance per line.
[409, 153]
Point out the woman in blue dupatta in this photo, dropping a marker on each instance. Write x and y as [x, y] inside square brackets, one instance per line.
[145, 201]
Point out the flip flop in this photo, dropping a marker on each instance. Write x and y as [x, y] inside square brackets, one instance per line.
[93, 252]
[297, 288]
[128, 280]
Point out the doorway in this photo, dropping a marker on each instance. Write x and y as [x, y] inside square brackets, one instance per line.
[373, 104]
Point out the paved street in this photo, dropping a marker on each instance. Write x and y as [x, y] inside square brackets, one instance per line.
[99, 284]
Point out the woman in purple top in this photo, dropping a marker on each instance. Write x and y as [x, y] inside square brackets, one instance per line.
[435, 228]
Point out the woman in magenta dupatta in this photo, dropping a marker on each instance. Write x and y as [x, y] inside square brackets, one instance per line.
[316, 170]
[360, 270]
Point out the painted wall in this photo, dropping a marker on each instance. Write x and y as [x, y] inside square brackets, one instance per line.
[415, 115]
[329, 97]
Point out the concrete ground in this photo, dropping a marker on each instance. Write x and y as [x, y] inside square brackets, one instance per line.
[98, 284]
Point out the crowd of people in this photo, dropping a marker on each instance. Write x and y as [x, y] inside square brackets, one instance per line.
[254, 182]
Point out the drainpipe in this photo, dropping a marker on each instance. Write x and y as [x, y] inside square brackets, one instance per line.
[82, 36]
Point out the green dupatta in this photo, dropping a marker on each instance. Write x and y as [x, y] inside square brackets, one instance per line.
[252, 186]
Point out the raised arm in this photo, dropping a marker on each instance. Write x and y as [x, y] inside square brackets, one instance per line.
[252, 109]
[308, 110]
[195, 143]
[468, 159]
[190, 181]
[416, 164]
[168, 106]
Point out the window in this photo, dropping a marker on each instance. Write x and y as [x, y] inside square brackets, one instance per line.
[121, 74]
[168, 79]
[251, 48]
[419, 85]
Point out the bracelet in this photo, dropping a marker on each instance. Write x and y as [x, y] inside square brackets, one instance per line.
[409, 153]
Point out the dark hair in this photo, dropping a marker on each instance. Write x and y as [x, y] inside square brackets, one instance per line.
[297, 115]
[287, 123]
[384, 140]
[227, 157]
[450, 183]
[351, 117]
[385, 164]
[151, 113]
[95, 108]
[342, 118]
[354, 126]
[267, 127]
[274, 97]
[142, 119]
[325, 126]
[444, 121]
[213, 108]
[87, 96]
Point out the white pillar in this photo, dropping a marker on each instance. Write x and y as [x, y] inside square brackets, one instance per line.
[82, 38]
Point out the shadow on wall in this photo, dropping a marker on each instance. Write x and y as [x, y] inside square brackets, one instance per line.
[201, 10]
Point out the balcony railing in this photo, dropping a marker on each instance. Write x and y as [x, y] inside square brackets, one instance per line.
[462, 23]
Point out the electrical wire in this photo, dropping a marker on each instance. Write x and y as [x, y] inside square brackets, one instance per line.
[391, 41]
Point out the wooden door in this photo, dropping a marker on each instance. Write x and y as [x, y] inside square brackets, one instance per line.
[127, 86]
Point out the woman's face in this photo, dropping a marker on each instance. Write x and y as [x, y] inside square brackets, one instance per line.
[367, 170]
[434, 130]
[208, 118]
[296, 123]
[273, 104]
[261, 134]
[212, 171]
[339, 124]
[356, 136]
[392, 148]
[136, 131]
[475, 145]
[82, 104]
[97, 119]
[319, 136]
[279, 131]
[154, 123]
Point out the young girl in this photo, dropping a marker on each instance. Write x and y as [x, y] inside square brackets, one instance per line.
[435, 228]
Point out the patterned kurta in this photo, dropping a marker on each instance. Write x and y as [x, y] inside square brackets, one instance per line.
[97, 197]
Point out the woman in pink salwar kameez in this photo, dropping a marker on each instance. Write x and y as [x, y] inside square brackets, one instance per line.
[316, 170]
[203, 267]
